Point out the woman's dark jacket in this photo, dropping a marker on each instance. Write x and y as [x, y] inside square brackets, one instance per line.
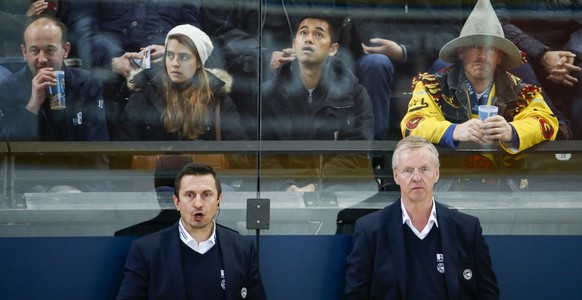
[141, 119]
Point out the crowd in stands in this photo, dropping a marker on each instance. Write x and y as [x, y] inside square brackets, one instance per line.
[235, 70]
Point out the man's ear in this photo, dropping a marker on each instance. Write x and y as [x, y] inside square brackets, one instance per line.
[176, 202]
[67, 48]
[23, 49]
[395, 176]
[333, 49]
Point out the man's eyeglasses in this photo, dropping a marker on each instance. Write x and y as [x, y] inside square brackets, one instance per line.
[408, 172]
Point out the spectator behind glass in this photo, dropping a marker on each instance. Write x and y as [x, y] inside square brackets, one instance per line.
[109, 34]
[25, 111]
[550, 33]
[314, 98]
[278, 30]
[195, 258]
[394, 41]
[182, 100]
[14, 16]
[443, 107]
[418, 248]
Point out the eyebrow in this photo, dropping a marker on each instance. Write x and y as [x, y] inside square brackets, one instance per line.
[318, 28]
[179, 53]
[204, 191]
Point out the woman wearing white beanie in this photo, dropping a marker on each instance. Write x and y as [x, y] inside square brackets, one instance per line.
[183, 100]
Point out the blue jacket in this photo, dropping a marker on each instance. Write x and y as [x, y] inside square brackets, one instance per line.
[106, 29]
[153, 269]
[376, 268]
[82, 120]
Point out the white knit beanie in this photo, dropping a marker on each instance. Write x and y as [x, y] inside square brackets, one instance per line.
[197, 36]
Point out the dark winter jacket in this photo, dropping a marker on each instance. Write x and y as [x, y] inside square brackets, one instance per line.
[103, 29]
[82, 120]
[339, 108]
[141, 119]
[421, 27]
[538, 27]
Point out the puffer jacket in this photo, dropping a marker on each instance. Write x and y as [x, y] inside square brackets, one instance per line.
[339, 108]
[141, 119]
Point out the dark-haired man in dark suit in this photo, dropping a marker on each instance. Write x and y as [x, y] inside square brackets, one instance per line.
[195, 258]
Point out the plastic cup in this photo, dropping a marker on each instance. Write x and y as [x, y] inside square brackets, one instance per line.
[486, 111]
[57, 92]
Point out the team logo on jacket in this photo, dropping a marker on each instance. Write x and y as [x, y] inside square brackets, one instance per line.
[413, 123]
[79, 119]
[547, 129]
[416, 104]
[468, 274]
[441, 268]
[451, 101]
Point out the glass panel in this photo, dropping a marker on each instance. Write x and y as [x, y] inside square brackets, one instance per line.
[319, 149]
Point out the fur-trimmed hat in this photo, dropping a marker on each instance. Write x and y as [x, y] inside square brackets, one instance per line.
[483, 28]
[197, 36]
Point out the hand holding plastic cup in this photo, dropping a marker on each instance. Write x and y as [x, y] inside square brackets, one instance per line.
[57, 92]
[486, 111]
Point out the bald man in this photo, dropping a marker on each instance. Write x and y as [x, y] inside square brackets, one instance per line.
[25, 112]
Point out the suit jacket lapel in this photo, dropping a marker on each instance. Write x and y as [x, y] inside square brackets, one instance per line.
[450, 246]
[397, 247]
[227, 252]
[171, 254]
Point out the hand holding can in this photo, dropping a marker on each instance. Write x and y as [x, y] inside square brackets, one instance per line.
[57, 92]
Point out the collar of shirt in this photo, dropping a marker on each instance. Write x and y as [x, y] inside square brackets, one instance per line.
[201, 248]
[432, 220]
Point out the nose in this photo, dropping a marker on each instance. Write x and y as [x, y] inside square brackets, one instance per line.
[42, 57]
[197, 202]
[416, 175]
[174, 61]
[309, 38]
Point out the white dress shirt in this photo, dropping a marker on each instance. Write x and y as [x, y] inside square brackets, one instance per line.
[432, 220]
[204, 246]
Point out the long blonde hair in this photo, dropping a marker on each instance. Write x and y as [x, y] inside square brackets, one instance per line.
[187, 108]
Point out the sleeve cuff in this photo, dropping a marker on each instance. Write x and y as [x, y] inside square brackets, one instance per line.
[404, 53]
[513, 145]
[447, 138]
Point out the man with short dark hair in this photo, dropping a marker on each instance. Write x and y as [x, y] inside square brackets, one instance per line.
[195, 258]
[315, 98]
[25, 111]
